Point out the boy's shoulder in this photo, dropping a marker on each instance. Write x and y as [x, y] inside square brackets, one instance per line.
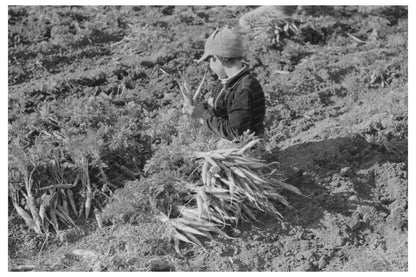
[247, 81]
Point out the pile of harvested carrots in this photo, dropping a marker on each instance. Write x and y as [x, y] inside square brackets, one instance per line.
[234, 186]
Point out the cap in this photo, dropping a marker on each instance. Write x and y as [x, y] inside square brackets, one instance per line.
[226, 43]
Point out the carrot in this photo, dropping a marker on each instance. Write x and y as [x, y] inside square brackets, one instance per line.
[55, 199]
[248, 146]
[42, 212]
[23, 267]
[46, 224]
[186, 97]
[28, 220]
[64, 201]
[198, 91]
[34, 210]
[64, 186]
[62, 217]
[76, 180]
[54, 219]
[204, 172]
[88, 203]
[208, 179]
[66, 215]
[98, 218]
[70, 195]
[81, 208]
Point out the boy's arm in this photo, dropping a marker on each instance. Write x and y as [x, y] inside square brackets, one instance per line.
[239, 116]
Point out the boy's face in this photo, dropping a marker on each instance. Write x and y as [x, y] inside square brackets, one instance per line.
[216, 66]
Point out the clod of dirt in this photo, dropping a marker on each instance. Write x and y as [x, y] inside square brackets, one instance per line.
[161, 264]
[346, 172]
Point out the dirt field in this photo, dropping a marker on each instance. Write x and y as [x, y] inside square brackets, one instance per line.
[337, 123]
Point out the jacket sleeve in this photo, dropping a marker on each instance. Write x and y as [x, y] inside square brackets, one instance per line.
[239, 115]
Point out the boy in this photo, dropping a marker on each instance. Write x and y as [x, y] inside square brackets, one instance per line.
[238, 102]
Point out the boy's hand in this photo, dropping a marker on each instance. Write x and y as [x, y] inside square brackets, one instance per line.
[187, 108]
[199, 110]
[211, 101]
[196, 111]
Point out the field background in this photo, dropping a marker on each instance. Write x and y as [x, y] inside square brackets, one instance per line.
[86, 82]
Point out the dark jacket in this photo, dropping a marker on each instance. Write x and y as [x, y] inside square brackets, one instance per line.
[238, 105]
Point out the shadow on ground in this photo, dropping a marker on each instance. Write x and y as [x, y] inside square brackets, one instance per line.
[335, 175]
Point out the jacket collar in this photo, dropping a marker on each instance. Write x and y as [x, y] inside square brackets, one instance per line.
[233, 79]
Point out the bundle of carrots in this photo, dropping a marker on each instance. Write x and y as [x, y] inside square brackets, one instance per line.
[56, 205]
[50, 209]
[234, 185]
[189, 97]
